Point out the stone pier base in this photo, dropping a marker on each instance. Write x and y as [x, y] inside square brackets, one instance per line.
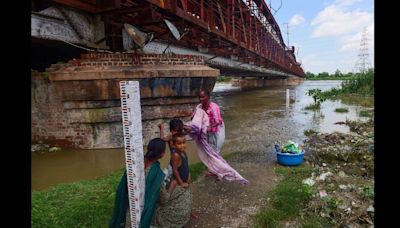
[77, 104]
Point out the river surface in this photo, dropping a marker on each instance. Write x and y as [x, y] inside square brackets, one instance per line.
[255, 120]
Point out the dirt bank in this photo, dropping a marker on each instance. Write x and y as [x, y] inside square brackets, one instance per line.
[229, 204]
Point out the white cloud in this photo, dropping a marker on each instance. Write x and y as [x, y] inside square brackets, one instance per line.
[352, 42]
[335, 20]
[297, 19]
[346, 2]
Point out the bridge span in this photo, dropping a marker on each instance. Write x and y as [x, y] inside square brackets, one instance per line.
[239, 37]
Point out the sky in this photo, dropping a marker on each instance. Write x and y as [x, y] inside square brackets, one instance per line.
[326, 33]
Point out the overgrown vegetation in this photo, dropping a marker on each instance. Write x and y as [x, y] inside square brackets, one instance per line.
[362, 84]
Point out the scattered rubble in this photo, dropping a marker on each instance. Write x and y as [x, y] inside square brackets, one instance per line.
[343, 176]
[43, 148]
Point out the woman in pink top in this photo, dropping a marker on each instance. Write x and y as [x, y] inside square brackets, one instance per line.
[214, 116]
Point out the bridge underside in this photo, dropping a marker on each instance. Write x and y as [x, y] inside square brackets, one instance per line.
[241, 30]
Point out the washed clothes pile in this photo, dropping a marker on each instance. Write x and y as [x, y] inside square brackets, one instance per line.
[290, 147]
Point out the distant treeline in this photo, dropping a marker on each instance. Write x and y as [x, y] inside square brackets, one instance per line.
[338, 75]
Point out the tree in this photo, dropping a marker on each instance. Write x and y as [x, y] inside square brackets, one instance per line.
[309, 75]
[317, 95]
[323, 74]
[338, 73]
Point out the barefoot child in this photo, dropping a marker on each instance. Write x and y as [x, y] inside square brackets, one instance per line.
[177, 211]
[179, 161]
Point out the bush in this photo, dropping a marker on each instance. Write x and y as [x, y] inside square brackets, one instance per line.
[360, 84]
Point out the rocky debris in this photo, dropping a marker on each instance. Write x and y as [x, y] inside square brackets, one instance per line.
[343, 177]
[43, 148]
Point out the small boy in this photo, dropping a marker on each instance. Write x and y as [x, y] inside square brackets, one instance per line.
[175, 127]
[179, 163]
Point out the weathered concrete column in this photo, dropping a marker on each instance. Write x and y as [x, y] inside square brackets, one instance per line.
[78, 104]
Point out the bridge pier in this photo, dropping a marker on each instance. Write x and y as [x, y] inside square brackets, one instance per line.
[77, 104]
[249, 82]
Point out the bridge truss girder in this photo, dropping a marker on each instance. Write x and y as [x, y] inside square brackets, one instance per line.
[243, 29]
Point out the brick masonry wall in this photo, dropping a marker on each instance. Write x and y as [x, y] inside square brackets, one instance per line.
[49, 124]
[129, 59]
[85, 113]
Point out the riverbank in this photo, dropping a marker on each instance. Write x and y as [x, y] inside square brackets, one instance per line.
[335, 186]
[86, 203]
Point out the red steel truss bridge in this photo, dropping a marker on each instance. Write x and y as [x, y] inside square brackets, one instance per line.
[240, 37]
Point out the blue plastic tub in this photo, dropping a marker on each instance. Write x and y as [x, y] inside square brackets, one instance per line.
[290, 159]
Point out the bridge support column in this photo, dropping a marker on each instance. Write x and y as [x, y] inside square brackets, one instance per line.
[77, 104]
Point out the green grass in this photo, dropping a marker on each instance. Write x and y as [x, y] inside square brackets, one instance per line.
[289, 196]
[366, 113]
[196, 169]
[316, 106]
[80, 204]
[342, 110]
[87, 203]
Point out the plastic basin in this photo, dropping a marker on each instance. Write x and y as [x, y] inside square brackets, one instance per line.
[288, 159]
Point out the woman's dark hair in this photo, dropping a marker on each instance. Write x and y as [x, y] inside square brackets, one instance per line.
[155, 148]
[176, 125]
[206, 91]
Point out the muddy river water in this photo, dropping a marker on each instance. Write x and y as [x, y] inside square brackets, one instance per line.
[254, 118]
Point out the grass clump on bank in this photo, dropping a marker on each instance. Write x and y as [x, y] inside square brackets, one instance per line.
[86, 203]
[309, 132]
[313, 107]
[287, 199]
[366, 113]
[341, 110]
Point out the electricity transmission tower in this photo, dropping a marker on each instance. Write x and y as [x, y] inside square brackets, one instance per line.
[363, 63]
